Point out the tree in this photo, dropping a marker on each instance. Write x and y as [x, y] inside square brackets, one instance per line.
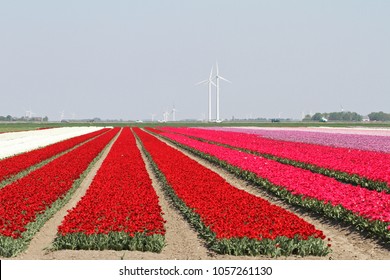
[379, 116]
[317, 117]
[338, 116]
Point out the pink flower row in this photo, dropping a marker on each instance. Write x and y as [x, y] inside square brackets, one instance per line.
[372, 165]
[353, 141]
[369, 204]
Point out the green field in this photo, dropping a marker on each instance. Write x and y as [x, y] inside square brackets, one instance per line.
[19, 126]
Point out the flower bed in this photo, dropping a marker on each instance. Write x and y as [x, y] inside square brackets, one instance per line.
[120, 210]
[231, 221]
[13, 165]
[365, 209]
[369, 169]
[29, 202]
[378, 143]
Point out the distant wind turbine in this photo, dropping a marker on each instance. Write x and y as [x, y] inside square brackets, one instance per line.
[165, 116]
[217, 78]
[174, 113]
[62, 115]
[209, 82]
[28, 114]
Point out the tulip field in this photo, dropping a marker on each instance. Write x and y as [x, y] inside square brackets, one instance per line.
[128, 216]
[339, 177]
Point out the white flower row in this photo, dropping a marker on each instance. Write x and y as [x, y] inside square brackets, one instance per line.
[13, 143]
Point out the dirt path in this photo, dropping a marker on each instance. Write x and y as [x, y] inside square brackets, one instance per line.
[183, 242]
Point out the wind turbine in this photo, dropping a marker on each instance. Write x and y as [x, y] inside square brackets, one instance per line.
[173, 113]
[217, 78]
[62, 115]
[165, 116]
[209, 82]
[28, 114]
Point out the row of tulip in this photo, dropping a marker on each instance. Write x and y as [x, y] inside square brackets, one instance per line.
[366, 209]
[366, 168]
[12, 165]
[231, 221]
[353, 141]
[29, 202]
[120, 210]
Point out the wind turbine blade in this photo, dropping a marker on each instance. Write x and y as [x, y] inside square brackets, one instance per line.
[202, 82]
[226, 80]
[211, 73]
[216, 63]
[211, 82]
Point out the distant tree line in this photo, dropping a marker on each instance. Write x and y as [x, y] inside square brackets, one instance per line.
[347, 116]
[379, 116]
[10, 118]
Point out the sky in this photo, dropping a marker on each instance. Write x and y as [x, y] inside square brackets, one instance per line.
[131, 59]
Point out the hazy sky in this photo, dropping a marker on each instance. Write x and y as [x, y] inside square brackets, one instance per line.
[129, 59]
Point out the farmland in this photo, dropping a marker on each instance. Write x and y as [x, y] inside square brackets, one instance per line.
[195, 193]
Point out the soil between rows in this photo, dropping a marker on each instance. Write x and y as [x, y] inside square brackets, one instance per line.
[182, 241]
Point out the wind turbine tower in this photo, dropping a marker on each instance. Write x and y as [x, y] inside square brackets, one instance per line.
[28, 114]
[62, 115]
[165, 116]
[209, 82]
[217, 78]
[174, 114]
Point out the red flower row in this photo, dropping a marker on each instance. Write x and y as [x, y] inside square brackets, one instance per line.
[228, 211]
[366, 203]
[121, 197]
[369, 164]
[13, 165]
[23, 200]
